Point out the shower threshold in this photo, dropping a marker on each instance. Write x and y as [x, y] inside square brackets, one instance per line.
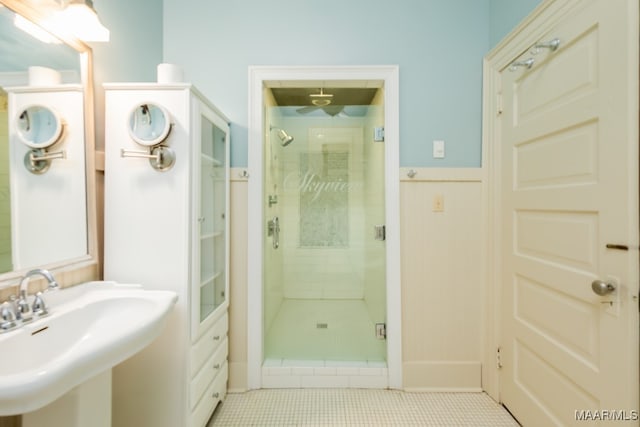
[289, 373]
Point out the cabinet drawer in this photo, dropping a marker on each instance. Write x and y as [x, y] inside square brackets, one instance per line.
[207, 344]
[216, 392]
[211, 368]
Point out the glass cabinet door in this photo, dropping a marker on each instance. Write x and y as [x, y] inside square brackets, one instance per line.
[212, 219]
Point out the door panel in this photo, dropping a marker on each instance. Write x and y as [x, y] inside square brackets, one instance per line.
[566, 185]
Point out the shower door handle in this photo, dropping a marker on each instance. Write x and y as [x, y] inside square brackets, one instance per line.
[273, 231]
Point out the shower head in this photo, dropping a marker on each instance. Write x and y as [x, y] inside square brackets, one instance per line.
[285, 138]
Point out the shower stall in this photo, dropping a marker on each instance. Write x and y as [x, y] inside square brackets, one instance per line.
[324, 287]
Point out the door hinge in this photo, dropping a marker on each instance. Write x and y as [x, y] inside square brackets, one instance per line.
[499, 357]
[381, 331]
[379, 232]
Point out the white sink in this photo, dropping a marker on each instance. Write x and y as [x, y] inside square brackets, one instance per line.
[91, 328]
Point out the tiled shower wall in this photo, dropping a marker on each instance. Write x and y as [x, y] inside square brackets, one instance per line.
[330, 265]
[349, 264]
[274, 283]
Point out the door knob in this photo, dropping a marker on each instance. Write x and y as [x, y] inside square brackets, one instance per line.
[602, 288]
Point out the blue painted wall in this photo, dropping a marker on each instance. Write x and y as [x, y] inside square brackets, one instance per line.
[438, 44]
[133, 51]
[506, 14]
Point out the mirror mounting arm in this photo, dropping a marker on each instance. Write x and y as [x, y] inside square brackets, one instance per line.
[38, 160]
[161, 157]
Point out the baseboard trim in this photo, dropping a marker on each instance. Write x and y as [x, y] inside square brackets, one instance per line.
[237, 377]
[443, 376]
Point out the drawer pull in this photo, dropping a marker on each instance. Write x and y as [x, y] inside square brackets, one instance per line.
[216, 366]
[215, 395]
[216, 337]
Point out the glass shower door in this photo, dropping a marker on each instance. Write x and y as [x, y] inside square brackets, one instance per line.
[324, 286]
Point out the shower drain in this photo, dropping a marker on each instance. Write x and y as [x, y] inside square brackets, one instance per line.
[322, 325]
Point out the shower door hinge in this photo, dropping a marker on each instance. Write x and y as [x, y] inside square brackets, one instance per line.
[381, 331]
[499, 357]
[379, 232]
[378, 134]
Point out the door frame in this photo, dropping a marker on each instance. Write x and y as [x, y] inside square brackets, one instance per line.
[258, 75]
[499, 58]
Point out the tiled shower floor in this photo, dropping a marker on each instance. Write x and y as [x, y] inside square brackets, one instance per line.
[346, 332]
[357, 407]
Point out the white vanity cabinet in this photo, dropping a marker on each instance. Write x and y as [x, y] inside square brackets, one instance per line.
[166, 227]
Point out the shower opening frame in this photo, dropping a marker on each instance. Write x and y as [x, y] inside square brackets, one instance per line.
[259, 77]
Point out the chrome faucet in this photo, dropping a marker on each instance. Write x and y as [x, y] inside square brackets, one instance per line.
[18, 311]
[42, 272]
[39, 308]
[7, 317]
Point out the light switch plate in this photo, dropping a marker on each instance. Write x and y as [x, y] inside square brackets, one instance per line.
[438, 149]
[438, 203]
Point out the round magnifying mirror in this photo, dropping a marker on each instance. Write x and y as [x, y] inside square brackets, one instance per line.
[39, 126]
[149, 124]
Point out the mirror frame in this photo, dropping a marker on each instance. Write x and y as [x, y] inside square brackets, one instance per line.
[87, 267]
[51, 139]
[164, 131]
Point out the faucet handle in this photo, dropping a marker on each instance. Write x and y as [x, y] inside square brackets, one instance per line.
[39, 307]
[7, 316]
[23, 310]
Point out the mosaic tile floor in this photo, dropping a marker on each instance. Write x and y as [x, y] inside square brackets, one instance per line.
[357, 407]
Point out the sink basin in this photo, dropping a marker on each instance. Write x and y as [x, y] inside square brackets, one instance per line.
[92, 327]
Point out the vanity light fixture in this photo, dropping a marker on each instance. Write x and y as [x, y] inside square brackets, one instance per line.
[77, 18]
[34, 30]
[74, 18]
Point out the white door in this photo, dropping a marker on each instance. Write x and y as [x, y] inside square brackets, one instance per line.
[569, 188]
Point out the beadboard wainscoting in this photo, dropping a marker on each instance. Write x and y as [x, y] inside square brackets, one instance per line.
[441, 225]
[238, 234]
[442, 294]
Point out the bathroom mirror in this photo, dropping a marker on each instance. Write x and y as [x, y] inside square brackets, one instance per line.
[149, 124]
[24, 45]
[39, 126]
